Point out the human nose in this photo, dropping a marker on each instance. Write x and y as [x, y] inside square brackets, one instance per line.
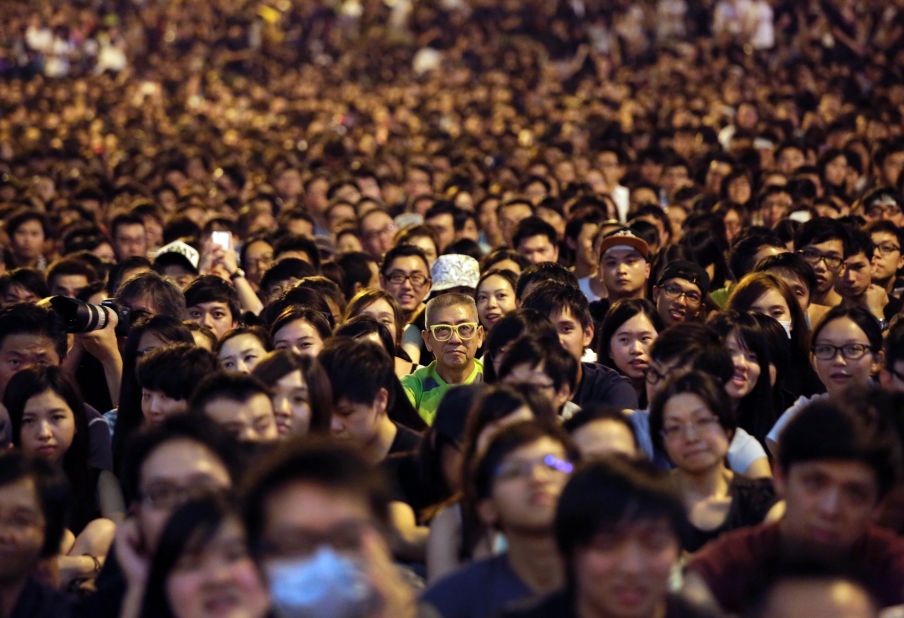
[44, 432]
[635, 348]
[631, 558]
[336, 425]
[207, 320]
[829, 501]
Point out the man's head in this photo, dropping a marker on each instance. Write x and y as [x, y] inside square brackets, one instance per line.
[624, 265]
[536, 240]
[795, 271]
[834, 466]
[510, 214]
[166, 465]
[405, 273]
[883, 204]
[213, 303]
[815, 589]
[680, 292]
[855, 275]
[774, 204]
[683, 348]
[377, 230]
[517, 482]
[22, 285]
[239, 403]
[129, 236]
[34, 500]
[440, 218]
[618, 526]
[168, 376]
[453, 332]
[28, 231]
[892, 375]
[150, 292]
[69, 276]
[297, 246]
[750, 249]
[568, 310]
[821, 242]
[550, 368]
[361, 375]
[887, 239]
[29, 335]
[282, 276]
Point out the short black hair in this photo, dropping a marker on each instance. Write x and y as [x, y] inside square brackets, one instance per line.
[355, 267]
[551, 296]
[295, 242]
[357, 369]
[28, 319]
[322, 463]
[179, 427]
[125, 219]
[793, 263]
[501, 254]
[24, 215]
[819, 230]
[403, 250]
[51, 490]
[285, 269]
[827, 430]
[694, 346]
[542, 273]
[707, 388]
[29, 278]
[210, 288]
[71, 266]
[558, 364]
[239, 387]
[596, 411]
[175, 369]
[745, 248]
[605, 496]
[533, 226]
[894, 344]
[149, 285]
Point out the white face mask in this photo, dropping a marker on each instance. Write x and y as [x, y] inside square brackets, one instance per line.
[786, 324]
[324, 585]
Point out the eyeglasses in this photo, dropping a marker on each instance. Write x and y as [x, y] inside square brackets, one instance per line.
[443, 332]
[383, 231]
[511, 470]
[673, 292]
[850, 351]
[698, 426]
[887, 248]
[813, 257]
[398, 277]
[877, 210]
[653, 377]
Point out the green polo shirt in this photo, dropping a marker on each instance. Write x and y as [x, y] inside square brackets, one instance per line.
[426, 388]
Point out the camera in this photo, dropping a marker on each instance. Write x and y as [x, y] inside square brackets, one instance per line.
[81, 317]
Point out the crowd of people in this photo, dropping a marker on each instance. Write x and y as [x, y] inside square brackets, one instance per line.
[457, 308]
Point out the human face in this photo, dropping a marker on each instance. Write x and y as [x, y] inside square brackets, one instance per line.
[773, 304]
[408, 294]
[69, 285]
[215, 315]
[775, 208]
[157, 406]
[258, 258]
[572, 335]
[357, 421]
[629, 347]
[509, 218]
[48, 426]
[822, 597]
[854, 277]
[180, 276]
[149, 342]
[170, 475]
[382, 312]
[425, 244]
[444, 228]
[495, 298]
[585, 252]
[746, 367]
[828, 503]
[340, 214]
[525, 491]
[249, 421]
[291, 404]
[348, 242]
[21, 351]
[300, 336]
[538, 249]
[219, 578]
[624, 572]
[885, 210]
[819, 256]
[797, 286]
[678, 300]
[604, 438]
[19, 294]
[838, 372]
[241, 353]
[694, 440]
[28, 240]
[887, 257]
[525, 374]
[624, 272]
[790, 159]
[455, 354]
[377, 230]
[130, 240]
[21, 529]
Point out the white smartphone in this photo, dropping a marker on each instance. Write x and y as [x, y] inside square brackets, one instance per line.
[224, 239]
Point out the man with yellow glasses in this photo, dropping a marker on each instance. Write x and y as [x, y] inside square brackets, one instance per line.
[453, 335]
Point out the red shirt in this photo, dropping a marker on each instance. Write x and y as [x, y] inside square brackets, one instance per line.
[737, 566]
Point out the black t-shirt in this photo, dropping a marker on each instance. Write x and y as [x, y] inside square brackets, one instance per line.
[401, 468]
[603, 385]
[751, 500]
[560, 605]
[40, 601]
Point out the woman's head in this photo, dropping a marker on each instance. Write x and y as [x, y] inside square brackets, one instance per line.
[366, 327]
[300, 390]
[495, 296]
[382, 307]
[847, 348]
[692, 421]
[601, 431]
[150, 333]
[629, 330]
[747, 343]
[48, 416]
[242, 348]
[507, 330]
[767, 294]
[203, 566]
[302, 331]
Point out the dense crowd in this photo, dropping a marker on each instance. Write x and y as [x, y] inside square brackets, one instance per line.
[458, 308]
